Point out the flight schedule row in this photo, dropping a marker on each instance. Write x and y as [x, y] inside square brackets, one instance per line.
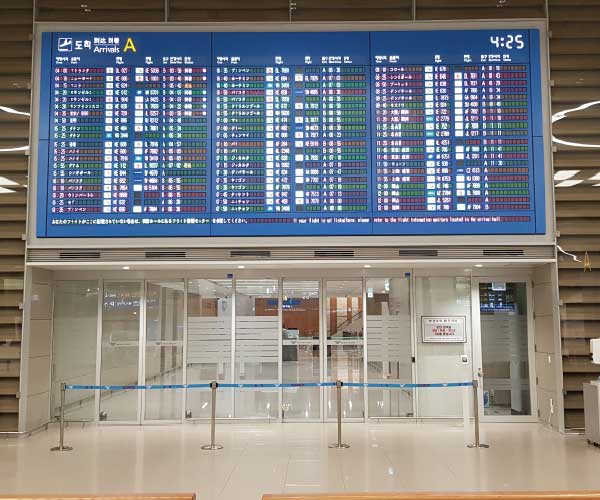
[335, 145]
[290, 139]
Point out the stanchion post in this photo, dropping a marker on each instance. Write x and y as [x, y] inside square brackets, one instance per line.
[213, 419]
[477, 443]
[338, 387]
[61, 440]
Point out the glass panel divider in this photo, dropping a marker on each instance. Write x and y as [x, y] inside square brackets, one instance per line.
[280, 350]
[185, 349]
[98, 349]
[233, 343]
[413, 326]
[141, 395]
[365, 350]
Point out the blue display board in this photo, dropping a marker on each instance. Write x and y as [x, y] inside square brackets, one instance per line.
[285, 134]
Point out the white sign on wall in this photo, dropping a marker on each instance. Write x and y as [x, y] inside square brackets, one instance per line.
[443, 328]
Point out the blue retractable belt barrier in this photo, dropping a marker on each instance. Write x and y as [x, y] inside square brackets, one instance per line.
[213, 386]
[372, 385]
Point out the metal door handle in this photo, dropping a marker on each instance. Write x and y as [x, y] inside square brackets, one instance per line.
[479, 372]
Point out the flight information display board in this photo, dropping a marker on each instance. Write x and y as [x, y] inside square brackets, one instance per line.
[286, 134]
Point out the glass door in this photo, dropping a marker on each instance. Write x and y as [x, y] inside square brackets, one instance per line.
[344, 359]
[257, 331]
[163, 349]
[300, 349]
[209, 345]
[502, 318]
[389, 346]
[120, 350]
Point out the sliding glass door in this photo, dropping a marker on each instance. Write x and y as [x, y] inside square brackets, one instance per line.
[345, 321]
[257, 328]
[300, 349]
[163, 351]
[120, 362]
[389, 346]
[209, 345]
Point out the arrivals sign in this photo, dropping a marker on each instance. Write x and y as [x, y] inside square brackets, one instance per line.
[443, 328]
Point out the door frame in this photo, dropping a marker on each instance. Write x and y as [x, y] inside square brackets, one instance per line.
[478, 354]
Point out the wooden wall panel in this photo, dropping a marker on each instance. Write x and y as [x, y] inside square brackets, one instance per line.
[16, 18]
[100, 10]
[228, 11]
[478, 9]
[575, 64]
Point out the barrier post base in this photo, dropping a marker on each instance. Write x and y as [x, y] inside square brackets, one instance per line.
[339, 445]
[211, 447]
[480, 445]
[61, 448]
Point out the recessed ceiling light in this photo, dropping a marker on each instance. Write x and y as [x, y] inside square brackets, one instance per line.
[241, 267]
[478, 265]
[566, 184]
[5, 190]
[7, 182]
[562, 175]
[126, 268]
[367, 265]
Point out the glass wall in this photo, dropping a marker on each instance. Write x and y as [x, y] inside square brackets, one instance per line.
[120, 349]
[74, 339]
[263, 331]
[163, 361]
[389, 346]
[445, 302]
[256, 346]
[209, 320]
[300, 338]
[345, 345]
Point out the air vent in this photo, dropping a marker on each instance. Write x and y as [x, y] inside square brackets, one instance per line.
[166, 254]
[249, 253]
[503, 252]
[335, 253]
[417, 252]
[79, 255]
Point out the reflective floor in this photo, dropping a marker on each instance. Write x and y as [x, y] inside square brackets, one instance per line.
[273, 458]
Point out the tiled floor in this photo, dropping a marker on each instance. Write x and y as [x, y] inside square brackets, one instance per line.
[261, 458]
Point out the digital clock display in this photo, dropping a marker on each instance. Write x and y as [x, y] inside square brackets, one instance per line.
[508, 41]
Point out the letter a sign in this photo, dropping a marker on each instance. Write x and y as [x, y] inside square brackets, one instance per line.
[129, 46]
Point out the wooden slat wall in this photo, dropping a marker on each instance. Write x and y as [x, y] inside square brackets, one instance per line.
[575, 66]
[575, 70]
[16, 18]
